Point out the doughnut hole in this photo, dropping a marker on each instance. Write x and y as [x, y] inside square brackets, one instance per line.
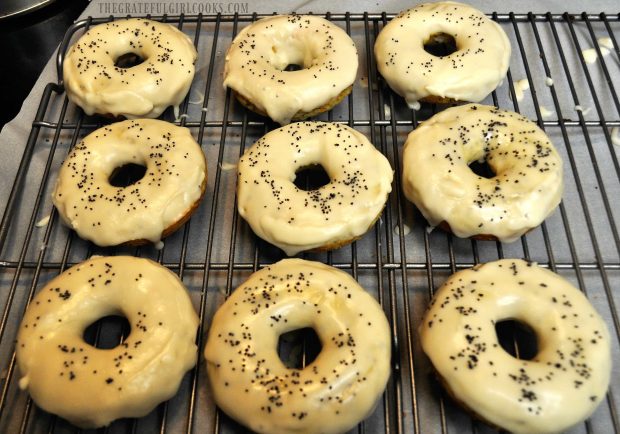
[126, 175]
[482, 168]
[440, 44]
[292, 67]
[311, 177]
[128, 60]
[298, 348]
[517, 338]
[107, 332]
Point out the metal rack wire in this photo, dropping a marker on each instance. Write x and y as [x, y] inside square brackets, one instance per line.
[400, 262]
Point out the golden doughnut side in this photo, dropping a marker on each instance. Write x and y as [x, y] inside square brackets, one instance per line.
[299, 115]
[180, 222]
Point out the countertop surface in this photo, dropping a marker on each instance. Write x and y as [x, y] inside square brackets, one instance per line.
[28, 42]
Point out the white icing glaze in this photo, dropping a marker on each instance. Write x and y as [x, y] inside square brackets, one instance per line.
[199, 98]
[226, 166]
[527, 187]
[615, 136]
[520, 86]
[564, 382]
[43, 222]
[107, 215]
[583, 110]
[91, 387]
[256, 60]
[605, 42]
[406, 230]
[330, 395]
[524, 84]
[469, 74]
[589, 55]
[545, 112]
[145, 90]
[297, 220]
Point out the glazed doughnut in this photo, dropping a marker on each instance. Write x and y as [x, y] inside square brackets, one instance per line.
[94, 82]
[328, 217]
[478, 65]
[526, 188]
[145, 211]
[257, 59]
[559, 387]
[91, 387]
[330, 395]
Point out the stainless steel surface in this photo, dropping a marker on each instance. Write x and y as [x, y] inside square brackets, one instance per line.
[14, 8]
[399, 261]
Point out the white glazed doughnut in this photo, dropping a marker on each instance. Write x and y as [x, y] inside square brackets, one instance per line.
[329, 217]
[330, 395]
[256, 60]
[526, 188]
[469, 74]
[559, 387]
[147, 210]
[91, 387]
[163, 78]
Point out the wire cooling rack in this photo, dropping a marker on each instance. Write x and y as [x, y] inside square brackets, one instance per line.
[400, 261]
